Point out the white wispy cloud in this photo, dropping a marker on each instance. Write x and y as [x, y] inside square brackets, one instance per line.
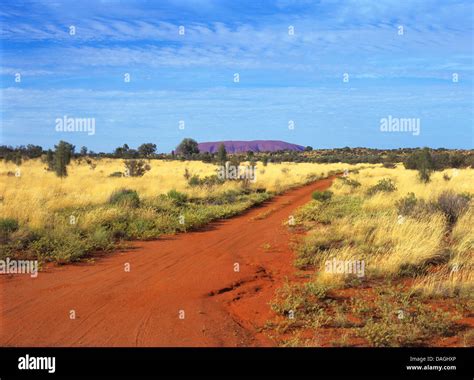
[249, 47]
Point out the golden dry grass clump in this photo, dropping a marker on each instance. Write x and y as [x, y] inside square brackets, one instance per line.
[360, 224]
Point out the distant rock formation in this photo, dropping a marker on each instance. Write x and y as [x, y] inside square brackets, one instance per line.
[245, 146]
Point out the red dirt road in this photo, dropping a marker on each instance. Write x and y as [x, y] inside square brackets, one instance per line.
[191, 272]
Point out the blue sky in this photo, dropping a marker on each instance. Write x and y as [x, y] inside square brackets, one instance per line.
[283, 76]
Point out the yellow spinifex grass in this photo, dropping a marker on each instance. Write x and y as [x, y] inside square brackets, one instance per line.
[457, 276]
[390, 243]
[385, 245]
[32, 197]
[411, 243]
[462, 180]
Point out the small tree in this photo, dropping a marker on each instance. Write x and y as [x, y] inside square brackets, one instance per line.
[83, 151]
[425, 165]
[50, 159]
[188, 147]
[136, 168]
[421, 161]
[33, 151]
[68, 152]
[18, 159]
[147, 150]
[424, 174]
[221, 154]
[62, 158]
[121, 151]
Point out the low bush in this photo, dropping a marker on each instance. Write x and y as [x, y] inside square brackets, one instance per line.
[407, 205]
[194, 181]
[7, 226]
[384, 185]
[101, 239]
[136, 168]
[212, 180]
[125, 198]
[452, 205]
[322, 196]
[178, 198]
[350, 182]
[61, 246]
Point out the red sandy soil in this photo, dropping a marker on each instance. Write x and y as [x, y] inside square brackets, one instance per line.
[193, 272]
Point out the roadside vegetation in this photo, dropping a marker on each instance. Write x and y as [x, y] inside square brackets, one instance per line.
[415, 240]
[98, 203]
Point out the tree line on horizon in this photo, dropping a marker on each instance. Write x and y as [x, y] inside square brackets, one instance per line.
[428, 159]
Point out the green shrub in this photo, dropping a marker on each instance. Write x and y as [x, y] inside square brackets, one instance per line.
[407, 205]
[141, 228]
[61, 246]
[116, 174]
[178, 198]
[101, 239]
[119, 229]
[136, 168]
[7, 226]
[212, 180]
[20, 239]
[384, 185]
[322, 196]
[206, 181]
[125, 198]
[316, 290]
[194, 181]
[350, 182]
[230, 196]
